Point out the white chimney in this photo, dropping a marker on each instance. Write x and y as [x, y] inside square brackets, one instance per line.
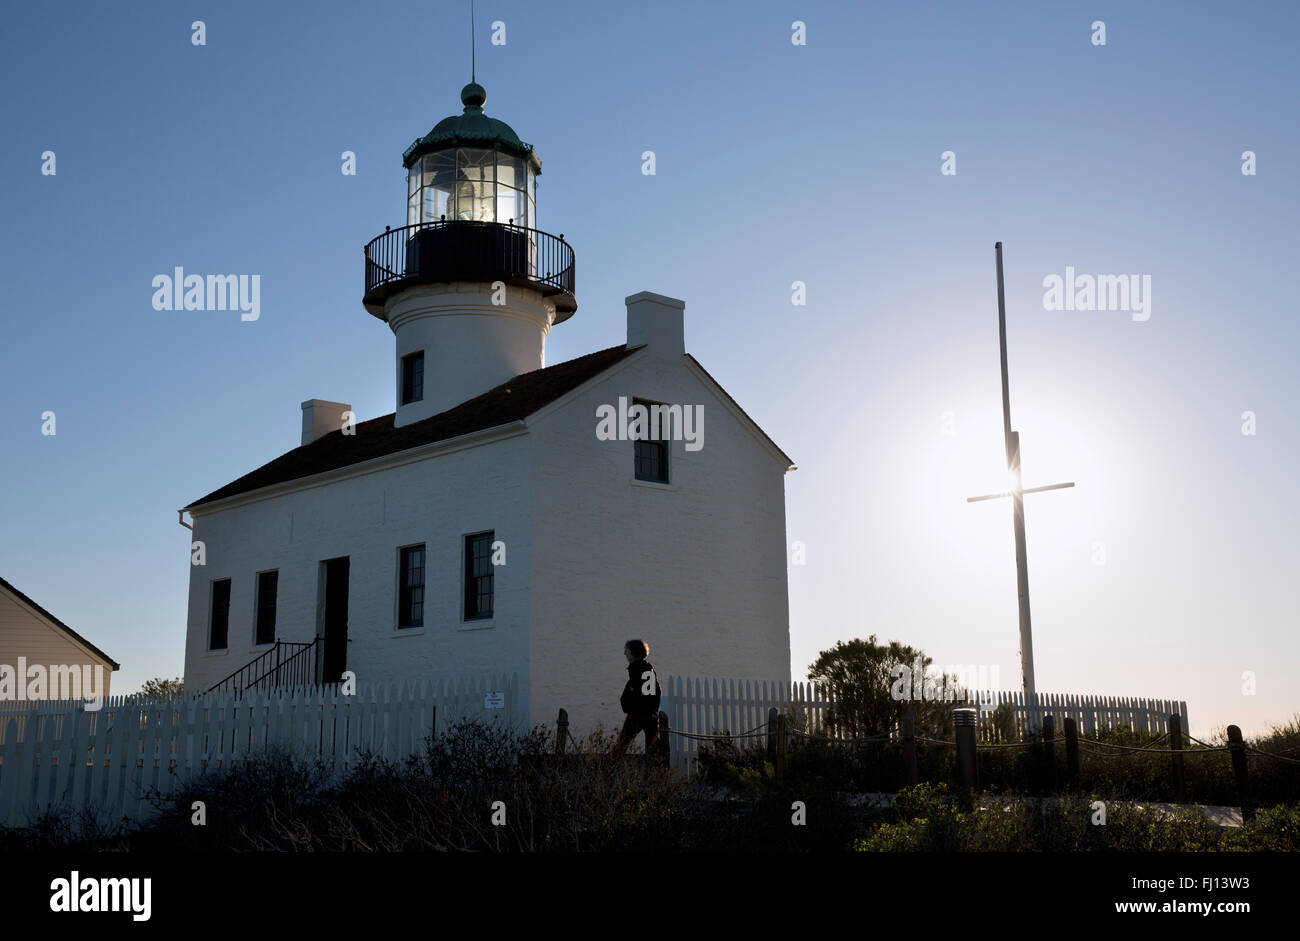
[656, 321]
[320, 418]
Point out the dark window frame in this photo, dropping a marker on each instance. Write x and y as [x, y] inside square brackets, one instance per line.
[219, 608]
[651, 454]
[261, 619]
[411, 583]
[478, 574]
[413, 377]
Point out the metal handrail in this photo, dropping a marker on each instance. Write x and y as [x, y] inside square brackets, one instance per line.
[547, 259]
[273, 669]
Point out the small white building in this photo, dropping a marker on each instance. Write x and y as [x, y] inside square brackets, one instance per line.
[501, 519]
[41, 655]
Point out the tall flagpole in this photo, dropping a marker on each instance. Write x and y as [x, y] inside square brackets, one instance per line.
[1018, 515]
[1017, 494]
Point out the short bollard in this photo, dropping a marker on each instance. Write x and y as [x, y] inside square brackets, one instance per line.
[1237, 748]
[561, 731]
[964, 722]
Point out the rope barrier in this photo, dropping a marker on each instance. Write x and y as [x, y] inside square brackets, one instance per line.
[1142, 748]
[700, 737]
[1264, 754]
[935, 741]
[880, 737]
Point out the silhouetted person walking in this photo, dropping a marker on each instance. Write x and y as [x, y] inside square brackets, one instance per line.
[640, 700]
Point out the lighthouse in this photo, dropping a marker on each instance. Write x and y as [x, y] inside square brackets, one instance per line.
[470, 286]
[489, 526]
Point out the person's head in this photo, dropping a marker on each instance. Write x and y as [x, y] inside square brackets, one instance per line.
[636, 650]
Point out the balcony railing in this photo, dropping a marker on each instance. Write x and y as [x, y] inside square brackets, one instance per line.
[429, 252]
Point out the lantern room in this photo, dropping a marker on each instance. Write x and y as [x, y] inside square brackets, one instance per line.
[471, 216]
[472, 168]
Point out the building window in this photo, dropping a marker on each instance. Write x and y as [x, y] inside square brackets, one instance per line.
[651, 455]
[412, 378]
[478, 576]
[268, 584]
[410, 593]
[219, 628]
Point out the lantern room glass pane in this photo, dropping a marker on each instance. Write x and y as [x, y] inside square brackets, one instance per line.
[511, 206]
[471, 202]
[413, 179]
[473, 194]
[440, 168]
[477, 165]
[435, 202]
[510, 171]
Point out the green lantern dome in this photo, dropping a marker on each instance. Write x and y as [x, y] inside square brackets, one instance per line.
[473, 128]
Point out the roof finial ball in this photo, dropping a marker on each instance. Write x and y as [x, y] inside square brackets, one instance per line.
[472, 96]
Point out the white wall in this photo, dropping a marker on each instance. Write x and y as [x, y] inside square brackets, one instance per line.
[470, 345]
[697, 571]
[367, 518]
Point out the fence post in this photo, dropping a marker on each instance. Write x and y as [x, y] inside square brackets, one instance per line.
[665, 755]
[561, 731]
[1049, 751]
[771, 734]
[964, 723]
[1072, 753]
[909, 747]
[1176, 757]
[1237, 748]
[780, 746]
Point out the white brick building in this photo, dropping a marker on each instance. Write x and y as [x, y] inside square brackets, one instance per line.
[381, 542]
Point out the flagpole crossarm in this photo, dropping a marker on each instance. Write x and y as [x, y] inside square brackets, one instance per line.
[1012, 493]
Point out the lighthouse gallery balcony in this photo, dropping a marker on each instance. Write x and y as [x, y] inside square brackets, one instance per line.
[445, 251]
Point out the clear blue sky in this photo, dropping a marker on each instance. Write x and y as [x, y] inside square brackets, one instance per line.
[775, 163]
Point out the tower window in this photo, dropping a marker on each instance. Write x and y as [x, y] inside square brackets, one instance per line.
[651, 454]
[478, 576]
[268, 584]
[412, 377]
[219, 626]
[410, 594]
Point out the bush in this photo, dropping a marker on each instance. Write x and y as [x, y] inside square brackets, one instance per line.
[927, 818]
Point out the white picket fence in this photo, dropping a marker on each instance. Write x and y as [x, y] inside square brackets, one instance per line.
[707, 705]
[1091, 714]
[712, 705]
[58, 753]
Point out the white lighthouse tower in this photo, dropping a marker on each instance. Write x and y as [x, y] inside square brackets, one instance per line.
[469, 286]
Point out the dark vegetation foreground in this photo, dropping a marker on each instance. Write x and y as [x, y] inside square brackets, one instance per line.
[454, 796]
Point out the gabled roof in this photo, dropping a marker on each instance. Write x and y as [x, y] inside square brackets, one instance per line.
[788, 460]
[59, 624]
[511, 401]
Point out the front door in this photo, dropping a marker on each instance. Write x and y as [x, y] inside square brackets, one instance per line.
[335, 621]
